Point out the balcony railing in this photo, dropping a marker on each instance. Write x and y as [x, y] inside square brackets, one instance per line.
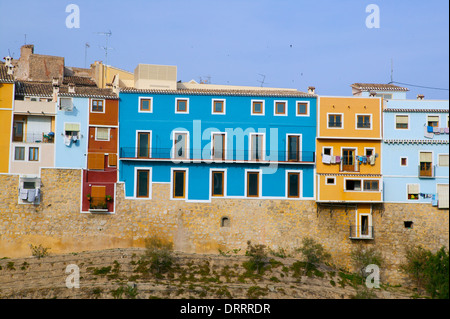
[358, 232]
[208, 155]
[99, 204]
[426, 170]
[35, 137]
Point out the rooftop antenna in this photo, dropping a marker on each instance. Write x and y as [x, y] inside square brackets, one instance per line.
[392, 71]
[25, 38]
[86, 46]
[262, 82]
[107, 34]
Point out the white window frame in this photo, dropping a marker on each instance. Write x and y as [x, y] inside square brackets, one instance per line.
[37, 185]
[275, 108]
[307, 108]
[438, 159]
[224, 170]
[151, 104]
[225, 149]
[137, 142]
[359, 222]
[188, 152]
[330, 147]
[259, 181]
[434, 115]
[369, 148]
[407, 161]
[363, 128]
[263, 107]
[187, 105]
[353, 179]
[418, 194]
[395, 122]
[150, 182]
[326, 180]
[250, 149]
[25, 157]
[224, 107]
[104, 105]
[186, 183]
[286, 181]
[335, 128]
[300, 148]
[109, 134]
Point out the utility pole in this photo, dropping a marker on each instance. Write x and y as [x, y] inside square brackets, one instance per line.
[106, 48]
[86, 46]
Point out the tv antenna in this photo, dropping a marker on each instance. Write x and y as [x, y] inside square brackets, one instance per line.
[86, 46]
[392, 71]
[106, 48]
[264, 77]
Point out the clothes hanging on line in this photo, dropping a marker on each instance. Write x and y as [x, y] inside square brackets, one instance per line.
[326, 159]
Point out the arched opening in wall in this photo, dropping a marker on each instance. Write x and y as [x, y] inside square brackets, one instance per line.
[225, 222]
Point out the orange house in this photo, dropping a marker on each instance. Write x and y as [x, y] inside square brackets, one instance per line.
[349, 158]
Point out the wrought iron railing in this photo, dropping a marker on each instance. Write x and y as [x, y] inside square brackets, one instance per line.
[99, 202]
[208, 155]
[426, 170]
[35, 137]
[361, 232]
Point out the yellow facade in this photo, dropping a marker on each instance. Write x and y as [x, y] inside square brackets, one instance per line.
[6, 109]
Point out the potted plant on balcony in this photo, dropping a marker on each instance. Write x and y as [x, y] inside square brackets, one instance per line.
[88, 196]
[108, 198]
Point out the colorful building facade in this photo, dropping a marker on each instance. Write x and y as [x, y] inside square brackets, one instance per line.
[349, 158]
[6, 115]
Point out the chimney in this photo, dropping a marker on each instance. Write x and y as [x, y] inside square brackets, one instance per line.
[372, 94]
[311, 90]
[71, 88]
[420, 96]
[26, 50]
[8, 65]
[55, 83]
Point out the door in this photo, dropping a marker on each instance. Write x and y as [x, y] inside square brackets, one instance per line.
[348, 160]
[18, 131]
[143, 145]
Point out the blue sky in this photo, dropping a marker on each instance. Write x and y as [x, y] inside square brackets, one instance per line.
[288, 43]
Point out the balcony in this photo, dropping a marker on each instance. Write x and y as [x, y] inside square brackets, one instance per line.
[34, 137]
[426, 170]
[358, 232]
[207, 155]
[99, 204]
[34, 107]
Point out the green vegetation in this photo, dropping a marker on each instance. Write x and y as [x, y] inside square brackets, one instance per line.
[258, 259]
[39, 251]
[363, 256]
[429, 270]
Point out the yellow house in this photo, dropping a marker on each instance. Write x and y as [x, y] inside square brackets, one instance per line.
[6, 111]
[349, 156]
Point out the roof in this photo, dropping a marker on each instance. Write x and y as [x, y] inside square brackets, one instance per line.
[4, 76]
[378, 87]
[46, 89]
[79, 81]
[273, 93]
[398, 110]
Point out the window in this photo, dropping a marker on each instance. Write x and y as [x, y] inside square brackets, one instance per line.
[142, 186]
[256, 148]
[408, 224]
[144, 142]
[225, 222]
[302, 108]
[280, 108]
[348, 160]
[384, 96]
[335, 121]
[71, 130]
[327, 151]
[102, 134]
[293, 148]
[112, 159]
[401, 122]
[369, 151]
[403, 161]
[257, 107]
[180, 145]
[443, 160]
[96, 161]
[425, 164]
[352, 185]
[442, 196]
[33, 154]
[293, 185]
[365, 228]
[145, 105]
[97, 106]
[18, 129]
[413, 191]
[179, 184]
[363, 121]
[371, 185]
[218, 107]
[19, 153]
[252, 184]
[330, 181]
[66, 104]
[182, 106]
[218, 145]
[433, 120]
[217, 183]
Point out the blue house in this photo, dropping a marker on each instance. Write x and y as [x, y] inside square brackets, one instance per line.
[416, 141]
[215, 141]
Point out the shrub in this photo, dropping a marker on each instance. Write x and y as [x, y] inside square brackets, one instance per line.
[158, 257]
[313, 253]
[429, 270]
[363, 256]
[39, 251]
[258, 258]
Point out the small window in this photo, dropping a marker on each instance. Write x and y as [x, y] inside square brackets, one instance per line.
[217, 183]
[33, 154]
[363, 121]
[401, 122]
[145, 105]
[97, 105]
[219, 106]
[257, 107]
[330, 181]
[413, 191]
[102, 134]
[182, 105]
[225, 222]
[384, 96]
[443, 160]
[335, 120]
[29, 185]
[302, 108]
[142, 180]
[293, 185]
[179, 184]
[352, 185]
[252, 184]
[369, 151]
[280, 108]
[19, 153]
[403, 161]
[408, 224]
[371, 186]
[433, 120]
[112, 159]
[327, 151]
